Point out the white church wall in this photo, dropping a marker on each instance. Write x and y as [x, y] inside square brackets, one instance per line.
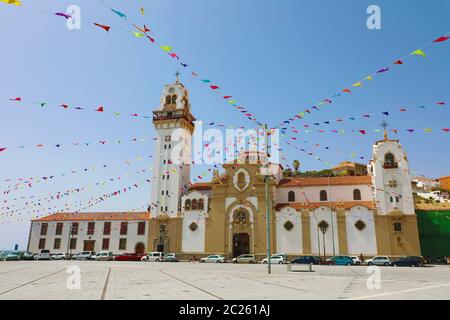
[361, 241]
[289, 241]
[338, 193]
[193, 241]
[316, 216]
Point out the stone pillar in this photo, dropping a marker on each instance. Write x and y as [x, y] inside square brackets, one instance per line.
[383, 234]
[306, 232]
[342, 230]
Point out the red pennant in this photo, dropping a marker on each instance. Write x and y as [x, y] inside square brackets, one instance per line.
[16, 99]
[2, 149]
[100, 109]
[227, 97]
[347, 90]
[441, 103]
[445, 129]
[398, 62]
[214, 87]
[106, 28]
[151, 39]
[442, 39]
[65, 106]
[362, 131]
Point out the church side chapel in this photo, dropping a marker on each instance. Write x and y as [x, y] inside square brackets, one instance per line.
[367, 214]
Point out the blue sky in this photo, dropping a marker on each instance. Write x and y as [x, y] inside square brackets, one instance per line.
[275, 57]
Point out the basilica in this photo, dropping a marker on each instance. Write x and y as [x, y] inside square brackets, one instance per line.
[368, 213]
[365, 214]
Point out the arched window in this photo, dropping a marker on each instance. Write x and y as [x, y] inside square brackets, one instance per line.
[323, 195]
[389, 161]
[167, 99]
[291, 196]
[174, 99]
[356, 194]
[201, 204]
[194, 204]
[187, 205]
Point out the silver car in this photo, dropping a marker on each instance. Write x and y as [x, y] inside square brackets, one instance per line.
[84, 255]
[379, 261]
[215, 258]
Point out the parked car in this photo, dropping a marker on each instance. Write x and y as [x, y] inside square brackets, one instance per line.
[379, 261]
[59, 256]
[43, 255]
[244, 258]
[84, 255]
[170, 257]
[275, 259]
[410, 261]
[306, 260]
[129, 257]
[213, 259]
[12, 256]
[153, 257]
[104, 256]
[27, 256]
[356, 260]
[340, 261]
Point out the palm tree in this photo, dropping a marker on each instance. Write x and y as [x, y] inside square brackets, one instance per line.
[296, 165]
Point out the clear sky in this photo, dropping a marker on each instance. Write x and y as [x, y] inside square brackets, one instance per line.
[275, 57]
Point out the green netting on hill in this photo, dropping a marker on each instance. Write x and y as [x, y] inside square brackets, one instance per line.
[434, 232]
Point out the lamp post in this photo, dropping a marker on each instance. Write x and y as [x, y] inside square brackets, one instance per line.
[324, 230]
[265, 172]
[331, 214]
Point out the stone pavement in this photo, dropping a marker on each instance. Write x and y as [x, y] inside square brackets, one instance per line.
[180, 281]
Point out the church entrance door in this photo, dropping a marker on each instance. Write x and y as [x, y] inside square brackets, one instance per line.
[241, 244]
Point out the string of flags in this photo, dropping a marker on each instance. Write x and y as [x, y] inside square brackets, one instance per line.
[362, 82]
[62, 194]
[36, 213]
[100, 109]
[100, 142]
[39, 179]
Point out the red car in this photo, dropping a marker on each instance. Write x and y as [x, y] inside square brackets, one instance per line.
[129, 257]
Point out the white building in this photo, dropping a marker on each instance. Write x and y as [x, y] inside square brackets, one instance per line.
[118, 232]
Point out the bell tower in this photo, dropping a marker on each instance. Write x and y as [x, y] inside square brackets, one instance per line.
[174, 125]
[395, 221]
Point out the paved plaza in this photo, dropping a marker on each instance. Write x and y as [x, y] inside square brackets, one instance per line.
[140, 280]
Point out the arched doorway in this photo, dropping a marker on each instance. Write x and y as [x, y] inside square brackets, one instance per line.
[241, 244]
[139, 248]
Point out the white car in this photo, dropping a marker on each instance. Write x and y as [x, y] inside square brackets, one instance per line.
[153, 257]
[104, 256]
[43, 255]
[275, 259]
[379, 261]
[59, 256]
[84, 255]
[356, 260]
[213, 259]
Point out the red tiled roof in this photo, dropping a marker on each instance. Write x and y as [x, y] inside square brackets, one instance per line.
[314, 205]
[201, 186]
[83, 216]
[323, 181]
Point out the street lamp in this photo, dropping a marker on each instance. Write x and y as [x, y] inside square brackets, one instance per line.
[331, 214]
[266, 173]
[324, 230]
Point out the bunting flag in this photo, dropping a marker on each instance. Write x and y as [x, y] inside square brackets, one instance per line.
[106, 28]
[13, 2]
[2, 149]
[419, 53]
[62, 14]
[357, 84]
[120, 14]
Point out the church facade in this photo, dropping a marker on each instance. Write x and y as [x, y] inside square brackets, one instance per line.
[370, 214]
